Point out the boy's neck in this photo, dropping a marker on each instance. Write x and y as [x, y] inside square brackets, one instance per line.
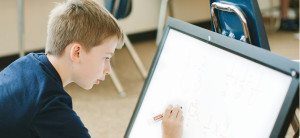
[61, 66]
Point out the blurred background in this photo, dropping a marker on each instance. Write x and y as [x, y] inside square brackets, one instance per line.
[103, 110]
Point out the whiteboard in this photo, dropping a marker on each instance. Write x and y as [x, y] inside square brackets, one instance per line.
[222, 94]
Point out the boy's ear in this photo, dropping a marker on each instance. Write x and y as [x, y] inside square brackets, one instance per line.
[75, 51]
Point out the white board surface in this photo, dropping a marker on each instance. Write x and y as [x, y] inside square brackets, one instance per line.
[222, 94]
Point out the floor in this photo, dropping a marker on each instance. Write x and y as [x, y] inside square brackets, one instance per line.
[106, 114]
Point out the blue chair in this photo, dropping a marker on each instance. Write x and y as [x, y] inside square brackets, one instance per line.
[239, 19]
[121, 9]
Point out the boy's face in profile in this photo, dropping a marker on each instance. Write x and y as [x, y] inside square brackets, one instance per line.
[95, 64]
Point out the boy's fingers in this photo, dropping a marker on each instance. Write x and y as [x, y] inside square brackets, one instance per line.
[175, 112]
[168, 111]
[179, 114]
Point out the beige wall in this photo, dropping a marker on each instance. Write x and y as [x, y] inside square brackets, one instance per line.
[8, 27]
[36, 15]
[144, 17]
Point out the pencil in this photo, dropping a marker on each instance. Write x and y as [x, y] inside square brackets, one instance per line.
[158, 117]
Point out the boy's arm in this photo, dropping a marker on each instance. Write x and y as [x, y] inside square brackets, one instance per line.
[57, 120]
[172, 122]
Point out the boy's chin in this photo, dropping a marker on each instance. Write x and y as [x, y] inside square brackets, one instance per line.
[89, 88]
[86, 87]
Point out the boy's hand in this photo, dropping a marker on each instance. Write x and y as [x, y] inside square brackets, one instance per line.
[172, 122]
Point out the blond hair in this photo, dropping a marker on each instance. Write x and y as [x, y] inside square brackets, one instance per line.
[83, 21]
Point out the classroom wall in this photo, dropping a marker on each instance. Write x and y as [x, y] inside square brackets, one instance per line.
[8, 27]
[144, 17]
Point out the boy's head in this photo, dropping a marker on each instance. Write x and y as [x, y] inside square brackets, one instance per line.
[87, 34]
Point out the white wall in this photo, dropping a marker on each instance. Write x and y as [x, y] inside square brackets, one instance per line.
[266, 4]
[144, 17]
[145, 13]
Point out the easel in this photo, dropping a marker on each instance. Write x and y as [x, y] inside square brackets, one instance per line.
[230, 12]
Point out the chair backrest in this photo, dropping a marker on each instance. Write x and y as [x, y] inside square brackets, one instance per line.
[239, 19]
[119, 8]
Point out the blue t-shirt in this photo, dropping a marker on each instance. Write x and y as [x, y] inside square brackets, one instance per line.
[33, 102]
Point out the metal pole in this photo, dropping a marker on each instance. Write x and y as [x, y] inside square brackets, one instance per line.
[161, 20]
[135, 57]
[117, 83]
[20, 9]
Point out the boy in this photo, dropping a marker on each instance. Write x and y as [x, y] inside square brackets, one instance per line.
[81, 39]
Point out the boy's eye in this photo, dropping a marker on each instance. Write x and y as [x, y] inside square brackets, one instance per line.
[107, 58]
